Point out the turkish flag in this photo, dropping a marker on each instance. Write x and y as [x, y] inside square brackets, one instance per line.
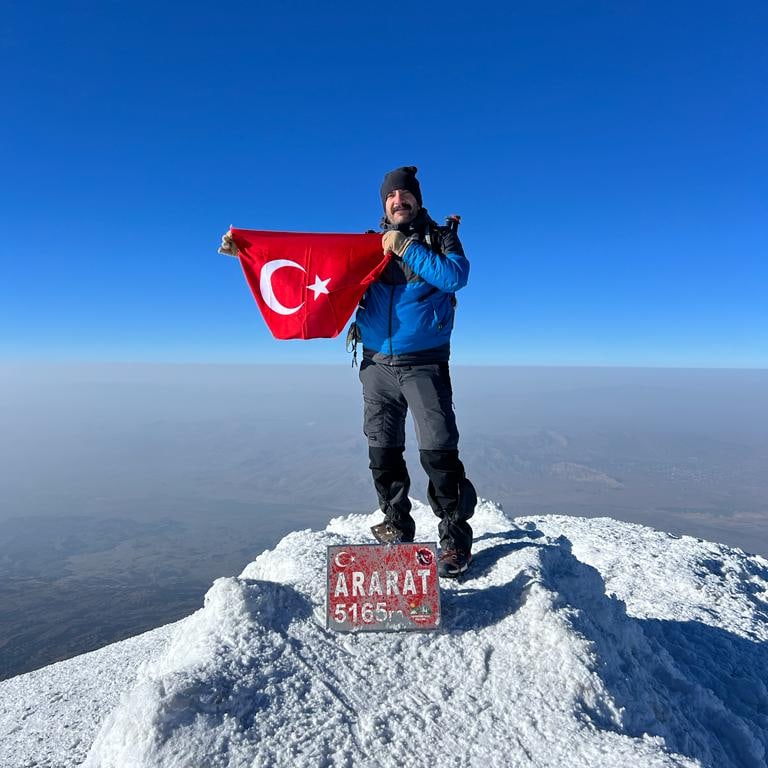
[307, 285]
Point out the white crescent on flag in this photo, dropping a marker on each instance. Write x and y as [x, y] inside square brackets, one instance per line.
[344, 559]
[265, 286]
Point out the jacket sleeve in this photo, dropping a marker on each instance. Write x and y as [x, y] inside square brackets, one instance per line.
[448, 272]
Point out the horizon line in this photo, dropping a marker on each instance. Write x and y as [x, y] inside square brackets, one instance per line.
[454, 364]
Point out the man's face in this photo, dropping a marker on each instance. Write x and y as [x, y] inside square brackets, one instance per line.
[401, 206]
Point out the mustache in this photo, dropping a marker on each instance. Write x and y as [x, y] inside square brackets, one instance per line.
[402, 207]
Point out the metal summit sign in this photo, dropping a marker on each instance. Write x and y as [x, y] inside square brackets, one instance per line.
[381, 587]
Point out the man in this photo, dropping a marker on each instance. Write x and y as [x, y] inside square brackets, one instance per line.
[405, 321]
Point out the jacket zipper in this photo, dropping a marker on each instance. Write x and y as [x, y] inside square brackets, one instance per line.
[391, 304]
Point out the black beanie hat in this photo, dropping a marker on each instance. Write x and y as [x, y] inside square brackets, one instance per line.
[401, 178]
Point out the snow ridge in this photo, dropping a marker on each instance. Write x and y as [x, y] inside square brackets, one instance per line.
[572, 643]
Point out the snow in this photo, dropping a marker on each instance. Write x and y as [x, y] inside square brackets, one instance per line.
[574, 642]
[50, 717]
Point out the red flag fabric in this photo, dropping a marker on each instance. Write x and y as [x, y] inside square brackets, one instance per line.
[307, 285]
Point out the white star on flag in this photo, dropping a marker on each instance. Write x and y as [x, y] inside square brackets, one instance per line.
[319, 286]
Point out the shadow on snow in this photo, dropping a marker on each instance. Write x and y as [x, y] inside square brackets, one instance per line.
[701, 688]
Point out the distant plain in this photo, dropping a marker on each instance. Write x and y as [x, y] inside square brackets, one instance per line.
[126, 489]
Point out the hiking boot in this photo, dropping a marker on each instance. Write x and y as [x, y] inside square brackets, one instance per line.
[386, 533]
[452, 563]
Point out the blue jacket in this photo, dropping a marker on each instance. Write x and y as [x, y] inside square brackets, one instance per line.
[406, 316]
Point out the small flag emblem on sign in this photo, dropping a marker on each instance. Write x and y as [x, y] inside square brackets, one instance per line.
[375, 587]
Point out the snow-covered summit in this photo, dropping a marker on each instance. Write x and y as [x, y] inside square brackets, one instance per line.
[574, 642]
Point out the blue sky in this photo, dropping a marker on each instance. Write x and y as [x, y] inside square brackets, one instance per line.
[608, 159]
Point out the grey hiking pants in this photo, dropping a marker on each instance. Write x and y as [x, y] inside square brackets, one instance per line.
[388, 392]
